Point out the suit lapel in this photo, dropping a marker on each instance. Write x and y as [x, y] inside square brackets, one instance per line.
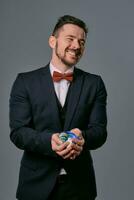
[48, 87]
[73, 99]
[74, 96]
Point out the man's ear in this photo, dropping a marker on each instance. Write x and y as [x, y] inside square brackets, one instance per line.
[52, 41]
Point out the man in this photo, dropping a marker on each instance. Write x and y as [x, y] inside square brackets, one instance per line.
[55, 99]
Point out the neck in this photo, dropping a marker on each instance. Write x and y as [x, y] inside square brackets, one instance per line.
[60, 66]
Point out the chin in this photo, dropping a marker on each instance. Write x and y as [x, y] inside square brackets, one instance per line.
[72, 62]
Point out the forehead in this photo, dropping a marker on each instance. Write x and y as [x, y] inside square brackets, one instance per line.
[71, 29]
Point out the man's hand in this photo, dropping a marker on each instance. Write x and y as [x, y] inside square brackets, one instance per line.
[78, 143]
[63, 149]
[68, 150]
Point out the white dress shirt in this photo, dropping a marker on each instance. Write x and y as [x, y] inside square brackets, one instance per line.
[61, 89]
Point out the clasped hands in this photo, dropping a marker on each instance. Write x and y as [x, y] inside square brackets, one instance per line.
[66, 149]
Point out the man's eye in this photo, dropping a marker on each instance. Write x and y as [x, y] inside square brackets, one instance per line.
[82, 43]
[70, 39]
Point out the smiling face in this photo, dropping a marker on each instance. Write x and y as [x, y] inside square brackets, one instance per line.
[68, 45]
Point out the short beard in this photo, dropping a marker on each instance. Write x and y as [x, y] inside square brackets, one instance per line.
[63, 60]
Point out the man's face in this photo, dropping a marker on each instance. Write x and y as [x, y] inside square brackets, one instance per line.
[69, 45]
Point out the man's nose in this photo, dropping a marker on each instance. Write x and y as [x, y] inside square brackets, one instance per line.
[76, 44]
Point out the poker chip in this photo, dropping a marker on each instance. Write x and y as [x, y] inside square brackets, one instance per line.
[71, 134]
[63, 136]
[67, 136]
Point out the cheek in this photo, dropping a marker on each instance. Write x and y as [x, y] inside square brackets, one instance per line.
[61, 47]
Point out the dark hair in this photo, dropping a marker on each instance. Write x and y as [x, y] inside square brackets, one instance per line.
[67, 19]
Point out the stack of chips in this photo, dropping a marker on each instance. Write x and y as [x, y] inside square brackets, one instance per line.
[63, 136]
[67, 136]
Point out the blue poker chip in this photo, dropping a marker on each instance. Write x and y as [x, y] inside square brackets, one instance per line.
[71, 134]
[67, 136]
[63, 136]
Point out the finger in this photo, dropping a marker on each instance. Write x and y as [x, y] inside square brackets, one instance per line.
[74, 155]
[57, 146]
[77, 147]
[78, 142]
[65, 152]
[62, 146]
[76, 131]
[69, 154]
[56, 139]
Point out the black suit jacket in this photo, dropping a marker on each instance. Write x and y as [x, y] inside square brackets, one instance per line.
[34, 117]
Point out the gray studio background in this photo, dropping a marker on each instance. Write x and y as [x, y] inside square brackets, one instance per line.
[24, 30]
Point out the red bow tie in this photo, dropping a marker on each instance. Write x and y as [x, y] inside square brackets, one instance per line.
[59, 76]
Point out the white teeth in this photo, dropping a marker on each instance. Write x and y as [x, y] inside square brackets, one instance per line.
[71, 53]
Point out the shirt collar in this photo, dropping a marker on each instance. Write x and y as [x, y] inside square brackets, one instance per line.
[53, 68]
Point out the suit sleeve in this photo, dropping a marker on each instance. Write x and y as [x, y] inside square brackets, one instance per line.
[96, 134]
[23, 135]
